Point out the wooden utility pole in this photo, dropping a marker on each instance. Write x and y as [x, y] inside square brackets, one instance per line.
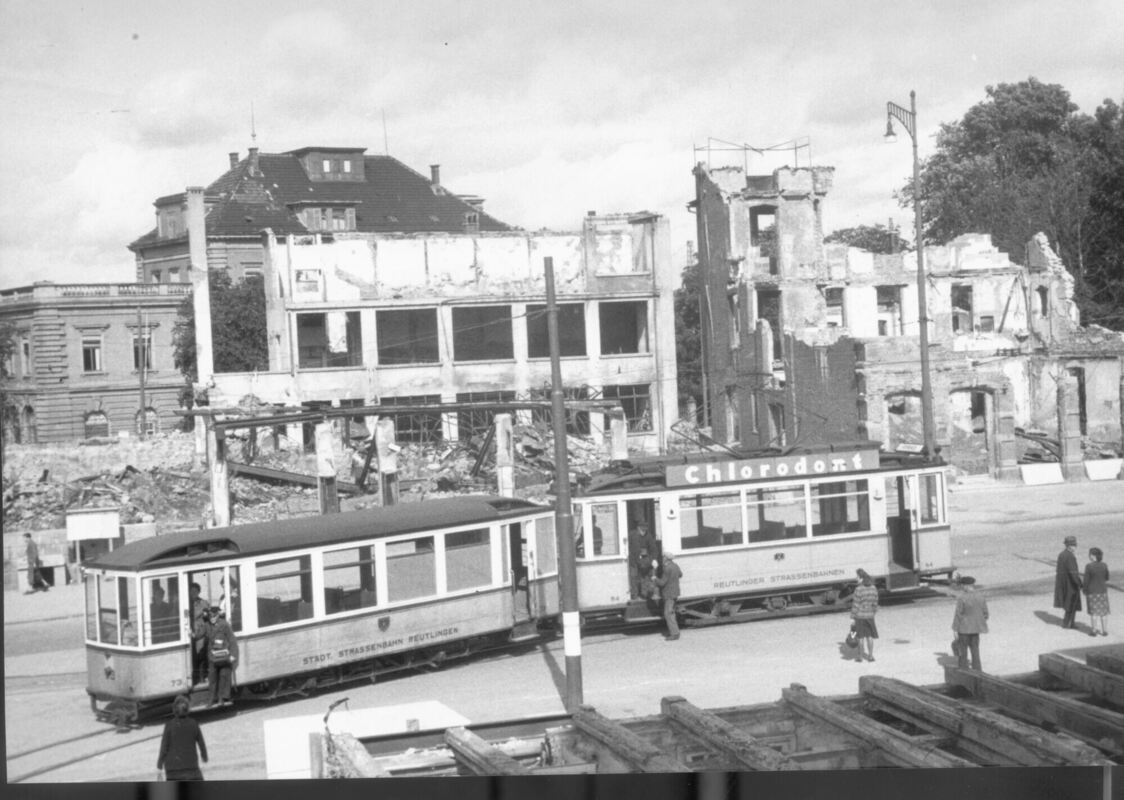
[141, 358]
[563, 514]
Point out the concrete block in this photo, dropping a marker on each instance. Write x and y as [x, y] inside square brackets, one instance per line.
[1041, 474]
[1103, 469]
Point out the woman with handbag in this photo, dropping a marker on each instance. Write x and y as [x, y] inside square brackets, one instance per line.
[864, 605]
[182, 745]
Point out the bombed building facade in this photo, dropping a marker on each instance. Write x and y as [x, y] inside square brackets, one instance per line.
[808, 342]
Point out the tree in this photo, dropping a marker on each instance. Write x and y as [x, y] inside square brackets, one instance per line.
[1024, 161]
[238, 330]
[873, 238]
[688, 342]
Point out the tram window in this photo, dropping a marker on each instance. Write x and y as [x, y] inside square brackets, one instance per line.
[411, 569]
[468, 559]
[107, 610]
[710, 520]
[91, 607]
[606, 532]
[127, 605]
[284, 590]
[776, 514]
[231, 601]
[162, 597]
[930, 511]
[840, 507]
[546, 553]
[349, 579]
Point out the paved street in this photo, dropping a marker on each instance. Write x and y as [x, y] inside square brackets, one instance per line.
[1007, 537]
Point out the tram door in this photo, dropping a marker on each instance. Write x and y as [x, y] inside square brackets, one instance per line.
[899, 527]
[644, 510]
[517, 558]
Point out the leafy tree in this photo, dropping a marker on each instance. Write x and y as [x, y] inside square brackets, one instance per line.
[1023, 161]
[238, 329]
[688, 343]
[873, 238]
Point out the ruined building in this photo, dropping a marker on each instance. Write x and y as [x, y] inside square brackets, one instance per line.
[383, 286]
[809, 342]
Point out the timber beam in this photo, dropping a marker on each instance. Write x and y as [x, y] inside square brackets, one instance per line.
[480, 756]
[1106, 662]
[898, 748]
[1011, 741]
[1096, 726]
[624, 745]
[1097, 682]
[732, 742]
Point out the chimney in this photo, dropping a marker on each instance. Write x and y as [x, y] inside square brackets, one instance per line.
[234, 159]
[591, 213]
[254, 161]
[435, 174]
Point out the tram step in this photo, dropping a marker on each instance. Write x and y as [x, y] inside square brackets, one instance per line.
[641, 611]
[524, 631]
[901, 578]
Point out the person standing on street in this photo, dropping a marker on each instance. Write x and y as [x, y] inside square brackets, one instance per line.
[1067, 583]
[969, 621]
[669, 589]
[182, 735]
[34, 566]
[222, 652]
[864, 605]
[1096, 591]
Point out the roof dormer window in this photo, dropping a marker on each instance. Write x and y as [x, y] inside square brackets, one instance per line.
[471, 222]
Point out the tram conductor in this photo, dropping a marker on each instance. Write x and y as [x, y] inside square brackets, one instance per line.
[641, 552]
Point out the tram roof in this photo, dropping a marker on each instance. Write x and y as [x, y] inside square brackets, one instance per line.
[262, 538]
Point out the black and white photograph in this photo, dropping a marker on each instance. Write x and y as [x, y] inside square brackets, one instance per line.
[687, 400]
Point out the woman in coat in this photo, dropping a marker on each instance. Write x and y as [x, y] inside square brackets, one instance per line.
[1096, 591]
[864, 605]
[182, 735]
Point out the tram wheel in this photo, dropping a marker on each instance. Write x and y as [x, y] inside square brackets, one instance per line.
[778, 603]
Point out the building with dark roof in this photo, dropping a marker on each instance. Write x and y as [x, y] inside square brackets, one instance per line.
[311, 190]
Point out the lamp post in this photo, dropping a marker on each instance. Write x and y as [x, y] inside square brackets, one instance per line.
[908, 118]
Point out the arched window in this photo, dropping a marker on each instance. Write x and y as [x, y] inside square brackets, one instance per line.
[28, 429]
[149, 419]
[1043, 301]
[11, 425]
[96, 424]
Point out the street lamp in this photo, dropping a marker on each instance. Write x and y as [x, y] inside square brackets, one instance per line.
[908, 118]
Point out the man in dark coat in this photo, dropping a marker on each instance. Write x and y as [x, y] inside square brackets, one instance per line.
[34, 566]
[1067, 583]
[669, 589]
[641, 552]
[222, 653]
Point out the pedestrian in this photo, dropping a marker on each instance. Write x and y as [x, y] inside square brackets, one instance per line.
[969, 621]
[199, 627]
[669, 589]
[1096, 591]
[641, 552]
[182, 735]
[864, 605]
[222, 653]
[35, 578]
[1067, 583]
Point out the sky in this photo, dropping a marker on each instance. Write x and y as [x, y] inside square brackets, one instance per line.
[546, 109]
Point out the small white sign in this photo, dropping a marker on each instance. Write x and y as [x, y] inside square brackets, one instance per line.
[93, 523]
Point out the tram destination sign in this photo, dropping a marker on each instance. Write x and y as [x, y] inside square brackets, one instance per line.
[752, 469]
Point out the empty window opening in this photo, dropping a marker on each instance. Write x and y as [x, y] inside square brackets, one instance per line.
[91, 354]
[147, 422]
[636, 400]
[833, 297]
[142, 351]
[96, 424]
[1078, 374]
[889, 310]
[962, 319]
[419, 427]
[978, 412]
[571, 331]
[407, 336]
[733, 415]
[822, 363]
[624, 327]
[482, 333]
[987, 323]
[577, 422]
[763, 234]
[1043, 300]
[735, 317]
[777, 434]
[471, 222]
[769, 309]
[25, 357]
[29, 428]
[475, 422]
[328, 340]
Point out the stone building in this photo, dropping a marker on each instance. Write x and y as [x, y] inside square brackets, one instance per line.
[810, 342]
[81, 354]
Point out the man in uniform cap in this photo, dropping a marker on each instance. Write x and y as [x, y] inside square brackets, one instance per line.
[1067, 583]
[641, 551]
[669, 589]
[969, 621]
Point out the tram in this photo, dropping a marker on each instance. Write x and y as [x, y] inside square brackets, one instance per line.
[761, 534]
[317, 601]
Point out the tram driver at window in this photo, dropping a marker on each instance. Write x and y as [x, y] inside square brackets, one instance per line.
[162, 617]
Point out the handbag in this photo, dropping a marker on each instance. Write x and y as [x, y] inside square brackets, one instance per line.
[852, 641]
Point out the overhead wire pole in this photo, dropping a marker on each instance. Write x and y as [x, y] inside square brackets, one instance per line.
[563, 513]
[908, 118]
[142, 356]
